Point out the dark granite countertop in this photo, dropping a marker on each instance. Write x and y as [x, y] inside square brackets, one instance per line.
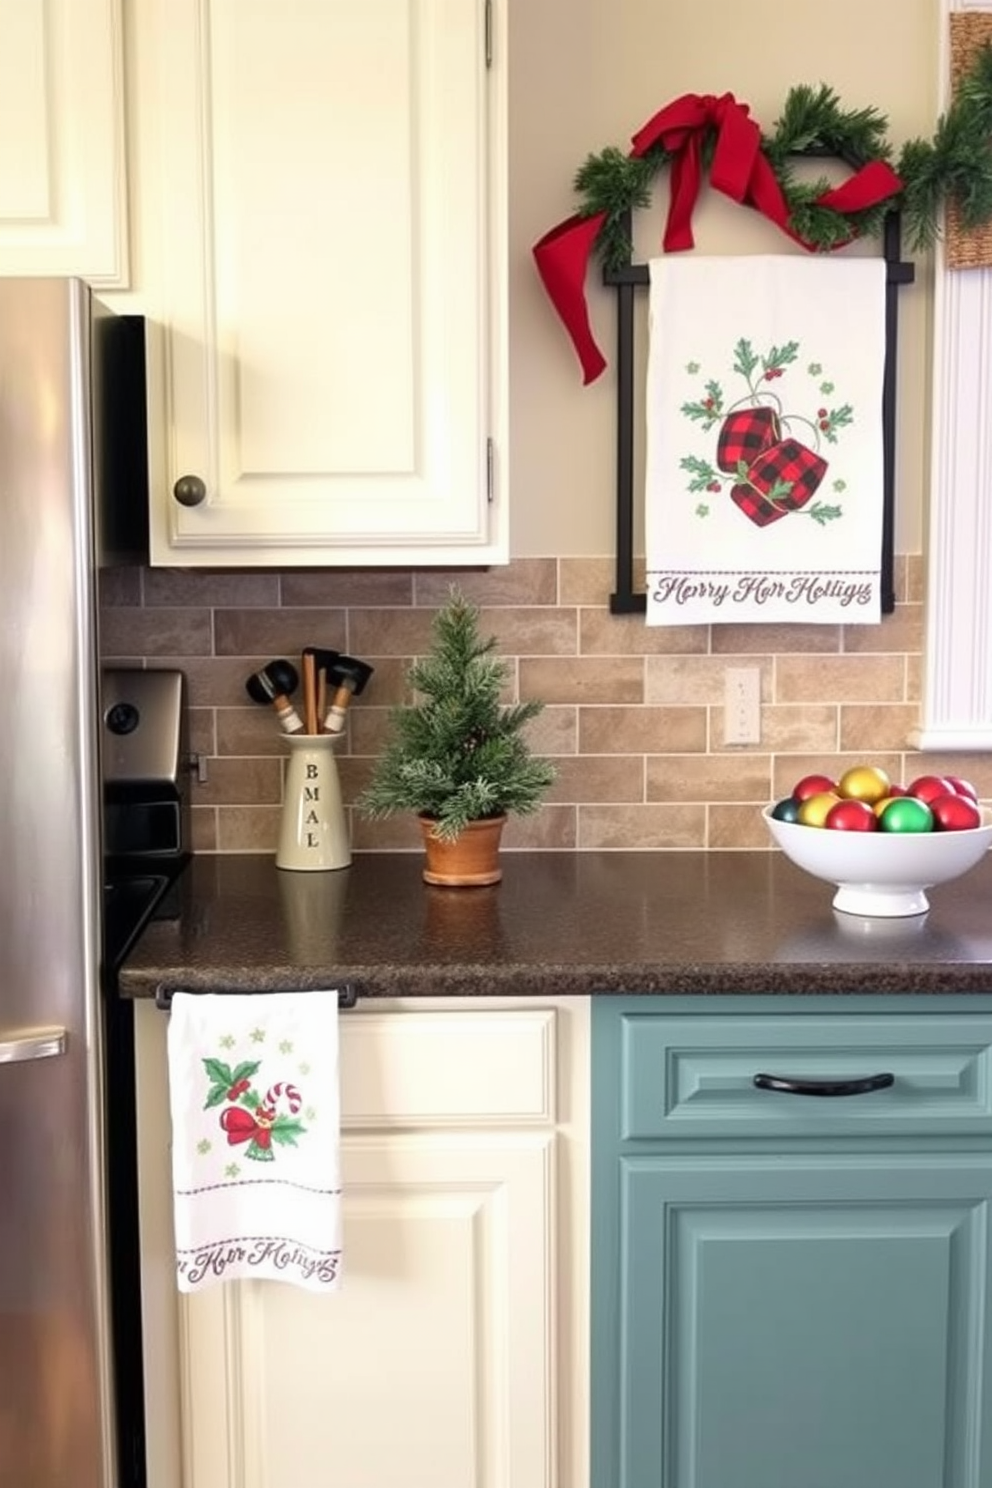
[560, 923]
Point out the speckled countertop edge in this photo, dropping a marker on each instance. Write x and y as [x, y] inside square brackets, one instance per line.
[560, 924]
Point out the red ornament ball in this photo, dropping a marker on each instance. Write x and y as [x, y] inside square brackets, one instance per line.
[955, 813]
[851, 816]
[812, 785]
[926, 787]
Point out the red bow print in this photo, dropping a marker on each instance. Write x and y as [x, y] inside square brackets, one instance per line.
[243, 1126]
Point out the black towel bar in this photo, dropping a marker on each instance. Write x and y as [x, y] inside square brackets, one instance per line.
[347, 993]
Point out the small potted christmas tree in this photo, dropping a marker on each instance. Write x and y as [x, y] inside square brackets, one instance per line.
[457, 756]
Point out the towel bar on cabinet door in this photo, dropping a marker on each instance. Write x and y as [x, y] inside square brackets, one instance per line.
[347, 993]
[630, 276]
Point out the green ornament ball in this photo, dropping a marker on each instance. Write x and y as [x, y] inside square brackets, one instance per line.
[906, 814]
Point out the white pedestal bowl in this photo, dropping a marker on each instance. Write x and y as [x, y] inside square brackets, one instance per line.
[882, 874]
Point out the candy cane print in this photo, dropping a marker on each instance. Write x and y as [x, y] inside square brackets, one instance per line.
[283, 1089]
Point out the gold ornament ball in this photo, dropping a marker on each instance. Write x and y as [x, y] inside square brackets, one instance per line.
[864, 783]
[813, 811]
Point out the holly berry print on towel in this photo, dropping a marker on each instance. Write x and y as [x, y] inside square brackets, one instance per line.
[248, 1116]
[769, 458]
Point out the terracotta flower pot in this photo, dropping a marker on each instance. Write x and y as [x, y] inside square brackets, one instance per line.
[471, 860]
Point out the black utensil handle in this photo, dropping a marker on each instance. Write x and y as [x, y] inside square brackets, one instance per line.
[859, 1085]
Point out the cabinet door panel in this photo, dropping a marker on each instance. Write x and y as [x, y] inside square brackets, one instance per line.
[430, 1367]
[62, 191]
[325, 278]
[815, 1321]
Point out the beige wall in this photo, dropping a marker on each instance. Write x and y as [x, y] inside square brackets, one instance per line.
[634, 716]
[586, 74]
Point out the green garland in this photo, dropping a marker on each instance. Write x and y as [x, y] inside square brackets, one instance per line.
[956, 164]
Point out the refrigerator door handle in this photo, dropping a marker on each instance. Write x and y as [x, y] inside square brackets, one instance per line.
[42, 1043]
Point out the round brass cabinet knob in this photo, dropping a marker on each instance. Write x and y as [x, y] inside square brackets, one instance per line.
[189, 490]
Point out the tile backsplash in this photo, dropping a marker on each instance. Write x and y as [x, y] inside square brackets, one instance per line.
[633, 716]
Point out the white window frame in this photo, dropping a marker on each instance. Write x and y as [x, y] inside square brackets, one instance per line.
[956, 708]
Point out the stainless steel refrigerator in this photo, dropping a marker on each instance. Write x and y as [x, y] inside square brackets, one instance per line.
[58, 1397]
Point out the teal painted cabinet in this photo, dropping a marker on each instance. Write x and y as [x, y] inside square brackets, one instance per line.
[792, 1290]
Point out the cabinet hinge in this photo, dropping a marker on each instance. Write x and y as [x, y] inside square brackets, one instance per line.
[489, 32]
[490, 471]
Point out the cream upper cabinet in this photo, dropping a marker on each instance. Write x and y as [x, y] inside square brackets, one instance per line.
[63, 207]
[455, 1353]
[322, 200]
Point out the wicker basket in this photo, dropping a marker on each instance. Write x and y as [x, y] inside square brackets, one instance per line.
[971, 247]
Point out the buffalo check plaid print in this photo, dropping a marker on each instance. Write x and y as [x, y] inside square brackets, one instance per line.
[745, 434]
[786, 461]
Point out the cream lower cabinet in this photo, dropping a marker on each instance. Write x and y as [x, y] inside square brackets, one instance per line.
[454, 1355]
[321, 193]
[63, 207]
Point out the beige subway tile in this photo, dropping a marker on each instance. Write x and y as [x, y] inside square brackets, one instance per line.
[842, 679]
[248, 828]
[641, 730]
[523, 581]
[202, 731]
[582, 679]
[603, 634]
[370, 729]
[393, 834]
[217, 681]
[697, 679]
[976, 768]
[774, 639]
[795, 728]
[736, 827]
[914, 678]
[339, 588]
[383, 633]
[354, 773]
[240, 781]
[555, 730]
[387, 687]
[126, 632]
[640, 827]
[189, 587]
[788, 770]
[869, 728]
[550, 828]
[220, 681]
[708, 777]
[611, 777]
[119, 586]
[902, 631]
[899, 577]
[591, 581]
[916, 578]
[249, 731]
[532, 631]
[203, 829]
[278, 632]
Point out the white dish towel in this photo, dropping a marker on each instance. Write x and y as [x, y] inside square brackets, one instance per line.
[255, 1104]
[764, 452]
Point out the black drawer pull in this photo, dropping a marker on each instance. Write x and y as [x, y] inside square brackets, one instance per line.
[861, 1085]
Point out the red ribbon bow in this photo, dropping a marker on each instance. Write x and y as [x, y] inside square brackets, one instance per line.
[241, 1126]
[739, 169]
